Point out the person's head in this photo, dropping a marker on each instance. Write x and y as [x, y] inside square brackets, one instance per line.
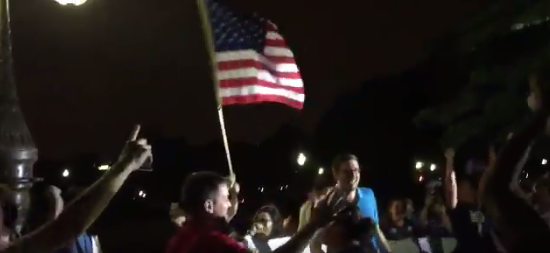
[205, 194]
[396, 209]
[346, 171]
[349, 228]
[409, 207]
[268, 221]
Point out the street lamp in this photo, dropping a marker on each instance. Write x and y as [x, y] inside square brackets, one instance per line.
[65, 173]
[433, 167]
[301, 159]
[418, 165]
[544, 161]
[71, 2]
[321, 171]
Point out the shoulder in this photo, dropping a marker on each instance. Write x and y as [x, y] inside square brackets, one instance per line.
[366, 192]
[220, 242]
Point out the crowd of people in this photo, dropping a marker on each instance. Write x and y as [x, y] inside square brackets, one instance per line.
[484, 212]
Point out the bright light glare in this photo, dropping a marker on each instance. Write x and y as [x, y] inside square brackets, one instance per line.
[142, 194]
[419, 165]
[433, 167]
[420, 179]
[261, 189]
[65, 173]
[71, 2]
[104, 167]
[301, 159]
[281, 188]
[544, 161]
[321, 171]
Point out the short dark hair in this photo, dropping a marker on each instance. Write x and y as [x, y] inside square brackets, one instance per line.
[342, 158]
[198, 188]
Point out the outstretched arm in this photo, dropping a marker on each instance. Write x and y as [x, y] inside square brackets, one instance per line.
[80, 214]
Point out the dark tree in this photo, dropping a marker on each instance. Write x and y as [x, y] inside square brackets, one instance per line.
[499, 48]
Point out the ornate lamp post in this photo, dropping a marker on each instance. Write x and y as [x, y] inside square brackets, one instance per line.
[18, 152]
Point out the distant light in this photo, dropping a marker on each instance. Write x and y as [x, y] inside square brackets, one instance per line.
[103, 167]
[544, 161]
[420, 179]
[286, 186]
[261, 189]
[65, 173]
[301, 159]
[321, 171]
[142, 194]
[526, 175]
[419, 165]
[433, 167]
[71, 2]
[281, 188]
[242, 201]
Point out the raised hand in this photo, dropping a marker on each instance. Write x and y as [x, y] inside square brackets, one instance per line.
[328, 208]
[135, 152]
[450, 153]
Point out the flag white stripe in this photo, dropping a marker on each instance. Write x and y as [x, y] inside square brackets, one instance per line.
[273, 36]
[260, 90]
[253, 55]
[278, 51]
[263, 75]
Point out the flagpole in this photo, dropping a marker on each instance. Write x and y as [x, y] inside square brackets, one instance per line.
[207, 31]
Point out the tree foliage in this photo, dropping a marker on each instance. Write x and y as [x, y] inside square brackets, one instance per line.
[499, 47]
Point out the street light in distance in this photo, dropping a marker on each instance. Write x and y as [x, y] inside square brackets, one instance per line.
[301, 159]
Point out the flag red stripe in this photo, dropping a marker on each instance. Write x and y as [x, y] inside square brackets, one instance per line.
[275, 43]
[257, 98]
[238, 82]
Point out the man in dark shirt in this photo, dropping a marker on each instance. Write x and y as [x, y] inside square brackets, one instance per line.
[468, 222]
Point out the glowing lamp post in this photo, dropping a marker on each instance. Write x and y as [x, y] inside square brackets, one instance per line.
[301, 159]
[71, 2]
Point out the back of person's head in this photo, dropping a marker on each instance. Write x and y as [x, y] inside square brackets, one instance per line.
[199, 192]
[349, 227]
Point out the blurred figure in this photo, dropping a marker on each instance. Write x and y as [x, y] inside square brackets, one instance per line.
[467, 220]
[267, 224]
[320, 190]
[395, 224]
[350, 233]
[409, 210]
[434, 219]
[290, 225]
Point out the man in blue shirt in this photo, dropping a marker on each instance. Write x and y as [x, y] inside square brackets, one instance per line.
[347, 173]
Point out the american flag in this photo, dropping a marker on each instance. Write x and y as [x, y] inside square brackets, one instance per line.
[252, 59]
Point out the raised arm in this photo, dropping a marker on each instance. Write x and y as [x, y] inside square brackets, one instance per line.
[80, 214]
[450, 179]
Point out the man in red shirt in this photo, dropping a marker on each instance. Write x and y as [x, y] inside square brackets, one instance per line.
[205, 200]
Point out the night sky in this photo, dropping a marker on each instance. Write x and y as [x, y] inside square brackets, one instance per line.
[86, 74]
